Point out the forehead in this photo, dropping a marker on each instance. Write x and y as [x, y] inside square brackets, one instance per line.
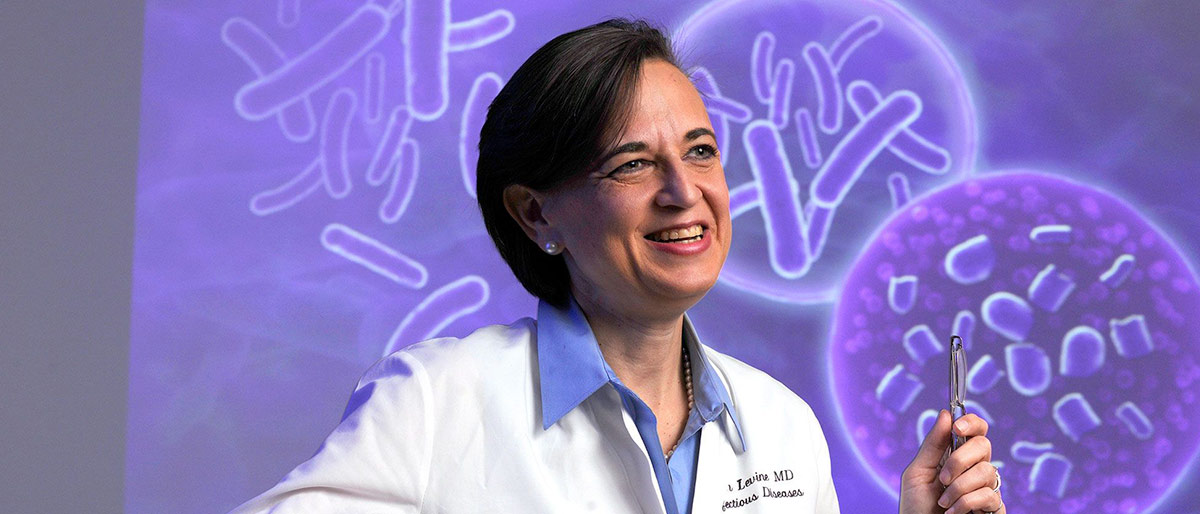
[665, 99]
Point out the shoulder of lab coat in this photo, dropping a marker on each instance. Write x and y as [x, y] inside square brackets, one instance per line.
[379, 457]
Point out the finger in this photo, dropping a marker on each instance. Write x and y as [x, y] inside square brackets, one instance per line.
[976, 450]
[929, 455]
[970, 426]
[980, 476]
[979, 500]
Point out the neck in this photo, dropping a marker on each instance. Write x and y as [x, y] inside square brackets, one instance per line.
[644, 352]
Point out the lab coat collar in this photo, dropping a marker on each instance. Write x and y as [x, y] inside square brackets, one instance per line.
[571, 367]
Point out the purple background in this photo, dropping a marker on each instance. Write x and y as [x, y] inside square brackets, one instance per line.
[248, 335]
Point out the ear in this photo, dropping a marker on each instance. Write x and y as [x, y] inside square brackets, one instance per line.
[525, 206]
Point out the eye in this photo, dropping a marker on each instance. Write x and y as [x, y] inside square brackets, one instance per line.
[703, 151]
[630, 166]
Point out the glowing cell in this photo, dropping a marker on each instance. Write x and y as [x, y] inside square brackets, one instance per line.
[1075, 416]
[921, 344]
[404, 183]
[1050, 289]
[1116, 274]
[781, 93]
[780, 203]
[317, 66]
[334, 152]
[899, 189]
[1135, 420]
[925, 423]
[760, 65]
[1028, 451]
[1051, 234]
[373, 255]
[819, 220]
[859, 147]
[1130, 336]
[970, 261]
[964, 327]
[829, 90]
[479, 32]
[1028, 368]
[898, 389]
[902, 293]
[1050, 474]
[1008, 315]
[297, 119]
[908, 145]
[374, 86]
[438, 310]
[852, 38]
[483, 91]
[808, 138]
[290, 193]
[388, 148]
[1082, 352]
[984, 374]
[429, 36]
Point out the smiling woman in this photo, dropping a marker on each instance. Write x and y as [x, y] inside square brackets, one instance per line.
[600, 182]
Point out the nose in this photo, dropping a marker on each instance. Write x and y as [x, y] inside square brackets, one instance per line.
[679, 188]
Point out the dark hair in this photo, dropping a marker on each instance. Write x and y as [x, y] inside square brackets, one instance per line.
[554, 119]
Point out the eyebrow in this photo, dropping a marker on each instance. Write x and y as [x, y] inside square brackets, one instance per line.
[638, 146]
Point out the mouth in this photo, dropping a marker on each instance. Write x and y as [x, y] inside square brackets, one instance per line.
[679, 235]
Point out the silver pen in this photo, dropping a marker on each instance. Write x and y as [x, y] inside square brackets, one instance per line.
[958, 387]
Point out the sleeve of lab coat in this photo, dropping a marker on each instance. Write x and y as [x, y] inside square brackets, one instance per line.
[378, 458]
[827, 500]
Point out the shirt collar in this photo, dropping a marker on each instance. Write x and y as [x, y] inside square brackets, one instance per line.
[571, 367]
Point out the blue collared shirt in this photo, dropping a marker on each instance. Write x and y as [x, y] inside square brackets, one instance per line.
[572, 369]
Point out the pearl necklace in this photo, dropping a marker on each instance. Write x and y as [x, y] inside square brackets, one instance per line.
[687, 376]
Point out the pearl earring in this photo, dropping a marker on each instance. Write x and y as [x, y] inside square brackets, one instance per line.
[552, 248]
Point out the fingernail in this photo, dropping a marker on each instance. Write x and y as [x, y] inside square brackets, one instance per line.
[943, 502]
[944, 477]
[961, 425]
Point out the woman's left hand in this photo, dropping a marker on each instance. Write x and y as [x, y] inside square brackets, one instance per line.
[964, 483]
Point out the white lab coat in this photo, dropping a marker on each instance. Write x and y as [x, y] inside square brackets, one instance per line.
[454, 426]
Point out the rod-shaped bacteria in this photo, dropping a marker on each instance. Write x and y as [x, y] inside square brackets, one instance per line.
[369, 253]
[706, 84]
[899, 190]
[984, 375]
[1130, 336]
[404, 183]
[964, 327]
[438, 310]
[925, 423]
[1051, 234]
[317, 66]
[1028, 368]
[483, 91]
[1116, 274]
[852, 38]
[388, 148]
[781, 93]
[426, 65]
[1050, 288]
[921, 344]
[898, 388]
[1050, 474]
[743, 198]
[808, 138]
[291, 192]
[1029, 451]
[818, 221]
[970, 261]
[902, 293]
[829, 91]
[335, 140]
[1075, 416]
[860, 145]
[1135, 420]
[1008, 315]
[761, 57]
[780, 202]
[908, 145]
[374, 84]
[1082, 352]
[479, 31]
[297, 119]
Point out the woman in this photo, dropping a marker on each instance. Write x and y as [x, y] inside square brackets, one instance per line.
[600, 182]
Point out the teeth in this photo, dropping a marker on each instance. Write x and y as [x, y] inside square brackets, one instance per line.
[691, 232]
